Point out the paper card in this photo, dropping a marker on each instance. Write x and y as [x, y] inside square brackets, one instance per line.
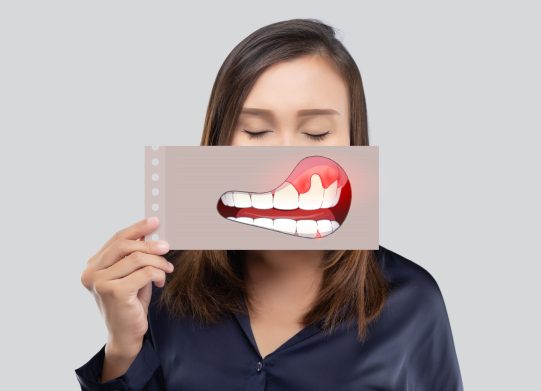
[263, 197]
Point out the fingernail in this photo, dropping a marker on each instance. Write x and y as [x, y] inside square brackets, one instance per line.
[171, 265]
[162, 245]
[152, 220]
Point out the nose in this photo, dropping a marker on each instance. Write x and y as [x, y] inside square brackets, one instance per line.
[285, 139]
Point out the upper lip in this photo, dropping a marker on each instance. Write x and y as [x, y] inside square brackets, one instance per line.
[320, 203]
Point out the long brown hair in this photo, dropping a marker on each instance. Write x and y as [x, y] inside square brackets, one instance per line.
[208, 284]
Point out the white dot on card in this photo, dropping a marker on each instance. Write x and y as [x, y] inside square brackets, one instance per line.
[155, 191]
[155, 147]
[155, 207]
[155, 161]
[155, 236]
[155, 177]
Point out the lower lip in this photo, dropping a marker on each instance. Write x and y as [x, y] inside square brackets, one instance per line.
[336, 213]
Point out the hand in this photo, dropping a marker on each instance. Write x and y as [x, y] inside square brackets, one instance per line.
[120, 277]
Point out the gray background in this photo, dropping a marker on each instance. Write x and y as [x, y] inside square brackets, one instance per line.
[453, 100]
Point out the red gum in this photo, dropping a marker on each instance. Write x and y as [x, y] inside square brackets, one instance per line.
[327, 169]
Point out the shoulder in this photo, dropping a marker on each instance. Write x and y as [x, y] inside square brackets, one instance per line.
[400, 270]
[413, 288]
[416, 312]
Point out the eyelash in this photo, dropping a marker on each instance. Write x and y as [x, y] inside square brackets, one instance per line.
[315, 137]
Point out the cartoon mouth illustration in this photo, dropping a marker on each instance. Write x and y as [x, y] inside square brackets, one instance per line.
[312, 202]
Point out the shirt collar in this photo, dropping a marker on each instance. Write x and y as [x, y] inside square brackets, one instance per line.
[243, 320]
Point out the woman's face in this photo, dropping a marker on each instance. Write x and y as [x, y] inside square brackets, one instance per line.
[299, 102]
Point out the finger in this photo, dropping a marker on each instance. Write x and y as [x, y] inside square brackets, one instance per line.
[132, 283]
[133, 262]
[134, 231]
[124, 247]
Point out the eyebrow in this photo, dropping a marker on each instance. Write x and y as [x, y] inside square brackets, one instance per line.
[300, 113]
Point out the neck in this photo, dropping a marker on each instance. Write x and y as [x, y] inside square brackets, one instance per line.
[274, 276]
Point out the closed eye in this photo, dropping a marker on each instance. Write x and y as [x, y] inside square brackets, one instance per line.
[318, 137]
[256, 134]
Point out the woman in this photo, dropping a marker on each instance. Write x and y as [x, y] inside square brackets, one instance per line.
[280, 320]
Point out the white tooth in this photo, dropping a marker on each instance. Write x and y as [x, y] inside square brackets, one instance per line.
[262, 200]
[329, 195]
[264, 222]
[312, 199]
[285, 225]
[245, 220]
[242, 200]
[286, 197]
[232, 218]
[337, 197]
[227, 199]
[324, 227]
[334, 225]
[307, 228]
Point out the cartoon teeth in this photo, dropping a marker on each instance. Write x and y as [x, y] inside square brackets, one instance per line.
[287, 226]
[262, 201]
[306, 228]
[316, 212]
[330, 196]
[286, 197]
[313, 198]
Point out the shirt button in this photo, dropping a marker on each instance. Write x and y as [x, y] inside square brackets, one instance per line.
[259, 366]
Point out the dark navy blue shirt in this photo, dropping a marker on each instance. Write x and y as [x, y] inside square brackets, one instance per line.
[409, 347]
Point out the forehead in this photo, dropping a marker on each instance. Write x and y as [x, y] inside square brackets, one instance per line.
[300, 83]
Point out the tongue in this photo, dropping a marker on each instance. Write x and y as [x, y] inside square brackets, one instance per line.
[295, 214]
